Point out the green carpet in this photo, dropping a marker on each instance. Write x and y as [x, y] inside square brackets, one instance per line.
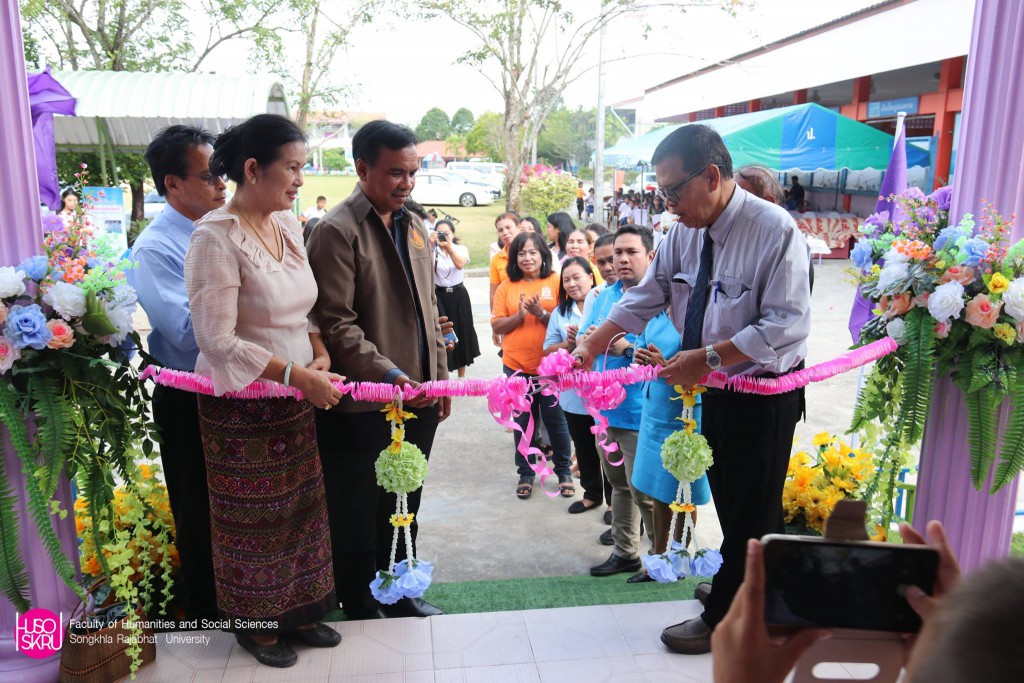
[464, 597]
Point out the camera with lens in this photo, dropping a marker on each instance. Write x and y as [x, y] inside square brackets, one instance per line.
[442, 237]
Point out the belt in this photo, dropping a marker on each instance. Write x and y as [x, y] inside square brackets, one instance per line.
[449, 290]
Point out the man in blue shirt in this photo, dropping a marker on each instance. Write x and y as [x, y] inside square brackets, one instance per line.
[179, 160]
[634, 250]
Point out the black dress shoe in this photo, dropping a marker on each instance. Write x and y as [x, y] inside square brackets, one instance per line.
[639, 577]
[692, 637]
[607, 516]
[410, 607]
[701, 592]
[606, 538]
[277, 655]
[615, 565]
[320, 635]
[579, 506]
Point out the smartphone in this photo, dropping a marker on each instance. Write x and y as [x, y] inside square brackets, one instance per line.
[451, 338]
[821, 583]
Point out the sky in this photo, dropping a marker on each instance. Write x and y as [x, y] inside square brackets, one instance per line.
[405, 68]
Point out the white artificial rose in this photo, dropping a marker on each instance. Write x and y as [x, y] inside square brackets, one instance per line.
[946, 301]
[121, 318]
[1013, 299]
[897, 329]
[12, 282]
[66, 299]
[890, 275]
[892, 256]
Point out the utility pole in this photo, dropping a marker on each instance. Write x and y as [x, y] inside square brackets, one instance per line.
[599, 133]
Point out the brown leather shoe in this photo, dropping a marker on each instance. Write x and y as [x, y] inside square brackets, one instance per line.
[692, 637]
[701, 592]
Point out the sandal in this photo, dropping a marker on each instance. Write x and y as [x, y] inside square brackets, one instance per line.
[524, 488]
[566, 487]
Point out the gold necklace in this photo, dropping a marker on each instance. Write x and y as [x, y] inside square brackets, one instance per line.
[279, 241]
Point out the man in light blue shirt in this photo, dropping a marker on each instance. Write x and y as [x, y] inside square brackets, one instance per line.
[179, 160]
[634, 249]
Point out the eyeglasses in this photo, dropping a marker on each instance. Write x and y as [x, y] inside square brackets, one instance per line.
[209, 178]
[671, 195]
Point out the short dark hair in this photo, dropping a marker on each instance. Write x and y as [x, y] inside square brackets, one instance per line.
[532, 221]
[416, 208]
[166, 152]
[606, 239]
[307, 229]
[455, 237]
[370, 138]
[597, 228]
[564, 302]
[508, 214]
[645, 234]
[696, 146]
[260, 138]
[517, 245]
[565, 225]
[321, 197]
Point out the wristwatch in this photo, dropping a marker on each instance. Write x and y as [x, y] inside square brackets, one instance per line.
[711, 357]
[629, 352]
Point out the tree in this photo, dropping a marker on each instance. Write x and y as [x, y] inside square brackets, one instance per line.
[568, 135]
[487, 136]
[434, 125]
[535, 46]
[335, 159]
[462, 121]
[548, 193]
[31, 48]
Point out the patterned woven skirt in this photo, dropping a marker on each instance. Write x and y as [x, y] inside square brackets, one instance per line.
[268, 515]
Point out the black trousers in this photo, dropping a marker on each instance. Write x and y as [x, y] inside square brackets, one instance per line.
[588, 458]
[358, 509]
[176, 413]
[751, 438]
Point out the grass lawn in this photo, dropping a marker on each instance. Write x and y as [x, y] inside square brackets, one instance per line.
[475, 228]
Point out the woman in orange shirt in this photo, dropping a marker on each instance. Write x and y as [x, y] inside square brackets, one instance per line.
[522, 306]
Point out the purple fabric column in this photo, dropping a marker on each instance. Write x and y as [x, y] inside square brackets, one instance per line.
[20, 235]
[989, 166]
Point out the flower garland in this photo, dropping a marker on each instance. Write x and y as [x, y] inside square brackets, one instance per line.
[686, 455]
[401, 469]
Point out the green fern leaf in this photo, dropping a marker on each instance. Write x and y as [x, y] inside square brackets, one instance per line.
[13, 578]
[982, 428]
[919, 369]
[1011, 458]
[55, 433]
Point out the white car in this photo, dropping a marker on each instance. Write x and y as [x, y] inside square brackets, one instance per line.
[648, 182]
[436, 188]
[153, 205]
[473, 179]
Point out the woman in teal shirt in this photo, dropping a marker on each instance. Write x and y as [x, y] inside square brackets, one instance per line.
[658, 420]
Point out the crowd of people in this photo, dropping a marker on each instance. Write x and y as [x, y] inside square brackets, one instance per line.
[278, 512]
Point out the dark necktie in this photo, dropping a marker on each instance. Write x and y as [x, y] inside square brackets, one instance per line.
[693, 324]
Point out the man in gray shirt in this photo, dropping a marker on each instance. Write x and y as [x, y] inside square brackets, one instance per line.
[734, 273]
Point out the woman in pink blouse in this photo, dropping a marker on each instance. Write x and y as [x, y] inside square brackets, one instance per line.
[250, 293]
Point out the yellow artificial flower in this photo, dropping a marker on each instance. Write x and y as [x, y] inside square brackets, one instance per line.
[145, 471]
[797, 460]
[682, 507]
[1004, 332]
[689, 425]
[998, 284]
[880, 534]
[823, 439]
[802, 478]
[832, 459]
[395, 414]
[402, 520]
[940, 265]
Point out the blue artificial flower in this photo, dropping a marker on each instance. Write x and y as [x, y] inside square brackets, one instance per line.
[26, 326]
[948, 237]
[943, 197]
[384, 588]
[862, 254]
[415, 579]
[973, 251]
[659, 568]
[35, 267]
[682, 563]
[707, 562]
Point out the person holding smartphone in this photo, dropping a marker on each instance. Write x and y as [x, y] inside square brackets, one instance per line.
[450, 260]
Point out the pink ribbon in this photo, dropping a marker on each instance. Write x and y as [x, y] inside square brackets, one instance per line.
[509, 399]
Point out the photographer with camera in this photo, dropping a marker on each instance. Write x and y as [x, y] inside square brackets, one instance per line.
[450, 260]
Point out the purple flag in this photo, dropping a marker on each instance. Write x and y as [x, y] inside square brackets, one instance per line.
[894, 182]
[47, 97]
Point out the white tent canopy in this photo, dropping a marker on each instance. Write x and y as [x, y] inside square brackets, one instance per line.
[123, 110]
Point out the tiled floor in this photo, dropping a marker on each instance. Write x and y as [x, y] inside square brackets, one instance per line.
[615, 643]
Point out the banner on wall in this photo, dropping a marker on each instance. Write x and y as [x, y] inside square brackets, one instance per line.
[108, 216]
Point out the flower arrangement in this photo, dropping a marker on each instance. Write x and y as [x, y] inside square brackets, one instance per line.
[952, 296]
[66, 319]
[815, 484]
[401, 469]
[687, 456]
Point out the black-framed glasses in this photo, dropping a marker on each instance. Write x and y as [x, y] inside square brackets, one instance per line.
[671, 195]
[208, 178]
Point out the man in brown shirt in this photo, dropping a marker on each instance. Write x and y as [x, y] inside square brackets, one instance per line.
[377, 311]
